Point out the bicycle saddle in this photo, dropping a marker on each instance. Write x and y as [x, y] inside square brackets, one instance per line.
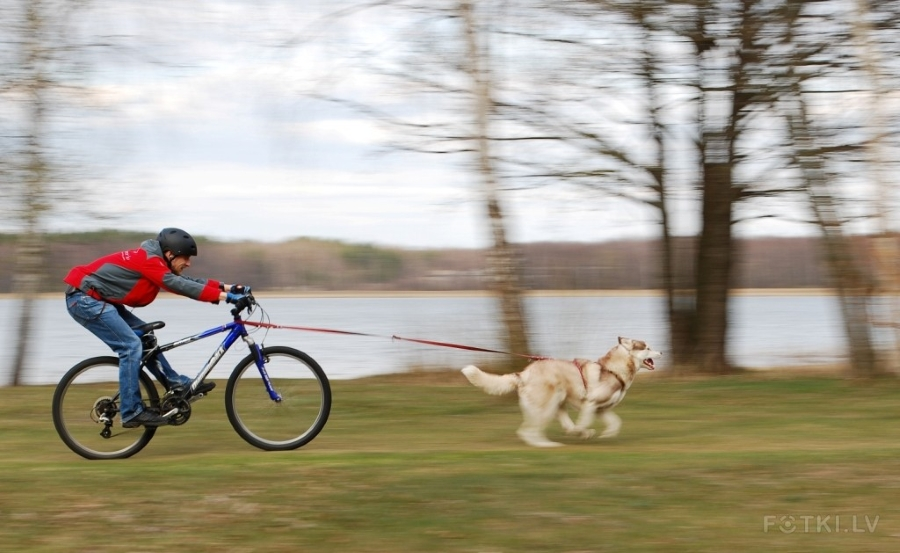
[148, 327]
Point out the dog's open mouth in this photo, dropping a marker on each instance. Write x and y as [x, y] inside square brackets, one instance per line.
[649, 364]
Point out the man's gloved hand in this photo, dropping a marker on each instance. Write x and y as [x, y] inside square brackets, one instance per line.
[240, 289]
[232, 297]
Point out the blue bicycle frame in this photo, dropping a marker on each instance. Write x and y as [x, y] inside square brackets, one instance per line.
[235, 330]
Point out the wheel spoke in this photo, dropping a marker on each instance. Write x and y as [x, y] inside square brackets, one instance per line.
[86, 411]
[279, 425]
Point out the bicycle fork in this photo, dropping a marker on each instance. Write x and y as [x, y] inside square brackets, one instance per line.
[261, 365]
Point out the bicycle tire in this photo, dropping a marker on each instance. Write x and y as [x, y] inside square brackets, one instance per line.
[278, 425]
[75, 410]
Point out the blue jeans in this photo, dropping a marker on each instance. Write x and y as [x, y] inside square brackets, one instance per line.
[114, 325]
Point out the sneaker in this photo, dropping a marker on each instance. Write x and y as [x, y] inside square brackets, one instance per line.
[204, 388]
[146, 418]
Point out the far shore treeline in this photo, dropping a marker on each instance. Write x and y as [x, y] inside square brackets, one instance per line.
[305, 264]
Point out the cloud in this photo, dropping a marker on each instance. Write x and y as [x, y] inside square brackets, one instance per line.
[363, 132]
[206, 126]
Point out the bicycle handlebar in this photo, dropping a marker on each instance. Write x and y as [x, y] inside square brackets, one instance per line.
[246, 302]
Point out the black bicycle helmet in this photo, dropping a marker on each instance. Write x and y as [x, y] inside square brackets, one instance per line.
[177, 241]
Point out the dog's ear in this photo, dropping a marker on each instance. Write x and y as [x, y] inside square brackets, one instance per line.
[627, 342]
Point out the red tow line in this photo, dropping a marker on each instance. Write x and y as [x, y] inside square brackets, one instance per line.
[395, 337]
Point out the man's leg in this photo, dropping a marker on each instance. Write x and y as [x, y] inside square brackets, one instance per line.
[104, 321]
[163, 365]
[175, 379]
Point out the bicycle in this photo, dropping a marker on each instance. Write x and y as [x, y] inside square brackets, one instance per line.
[281, 405]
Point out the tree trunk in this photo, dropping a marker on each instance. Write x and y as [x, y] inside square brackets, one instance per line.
[29, 251]
[28, 277]
[713, 270]
[852, 285]
[721, 113]
[885, 247]
[680, 302]
[503, 262]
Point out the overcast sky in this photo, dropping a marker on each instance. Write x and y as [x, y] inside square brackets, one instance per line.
[200, 122]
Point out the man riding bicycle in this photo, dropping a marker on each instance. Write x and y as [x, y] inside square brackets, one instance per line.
[100, 292]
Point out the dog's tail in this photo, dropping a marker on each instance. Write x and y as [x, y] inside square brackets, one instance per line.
[494, 384]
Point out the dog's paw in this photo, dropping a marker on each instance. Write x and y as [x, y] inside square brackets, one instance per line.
[545, 443]
[609, 434]
[536, 440]
[583, 433]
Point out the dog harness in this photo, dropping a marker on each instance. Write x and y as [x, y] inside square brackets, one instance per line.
[619, 378]
[580, 367]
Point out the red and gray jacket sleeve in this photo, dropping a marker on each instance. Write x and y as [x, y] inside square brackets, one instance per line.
[157, 272]
[195, 288]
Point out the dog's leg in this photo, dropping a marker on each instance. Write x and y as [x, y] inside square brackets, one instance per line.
[537, 417]
[613, 424]
[566, 421]
[585, 420]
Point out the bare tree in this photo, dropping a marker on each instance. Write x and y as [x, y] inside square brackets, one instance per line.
[448, 59]
[873, 26]
[33, 171]
[820, 151]
[723, 82]
[503, 261]
[35, 63]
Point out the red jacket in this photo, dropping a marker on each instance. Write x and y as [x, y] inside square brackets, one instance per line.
[134, 278]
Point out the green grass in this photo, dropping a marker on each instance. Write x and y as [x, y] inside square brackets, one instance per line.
[428, 463]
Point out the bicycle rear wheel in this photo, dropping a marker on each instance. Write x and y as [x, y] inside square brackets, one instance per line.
[278, 425]
[86, 411]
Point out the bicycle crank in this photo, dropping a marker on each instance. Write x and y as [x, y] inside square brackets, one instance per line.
[177, 409]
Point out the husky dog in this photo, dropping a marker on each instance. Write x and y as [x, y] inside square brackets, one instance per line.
[547, 386]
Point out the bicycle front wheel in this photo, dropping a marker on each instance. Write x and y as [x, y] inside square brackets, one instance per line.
[288, 423]
[86, 411]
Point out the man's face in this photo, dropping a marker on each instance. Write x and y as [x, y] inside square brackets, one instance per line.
[180, 263]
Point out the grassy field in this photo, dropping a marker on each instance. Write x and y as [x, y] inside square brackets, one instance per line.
[428, 463]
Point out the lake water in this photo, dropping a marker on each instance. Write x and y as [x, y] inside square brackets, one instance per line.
[766, 331]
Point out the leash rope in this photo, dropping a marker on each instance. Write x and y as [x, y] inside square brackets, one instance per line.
[395, 337]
